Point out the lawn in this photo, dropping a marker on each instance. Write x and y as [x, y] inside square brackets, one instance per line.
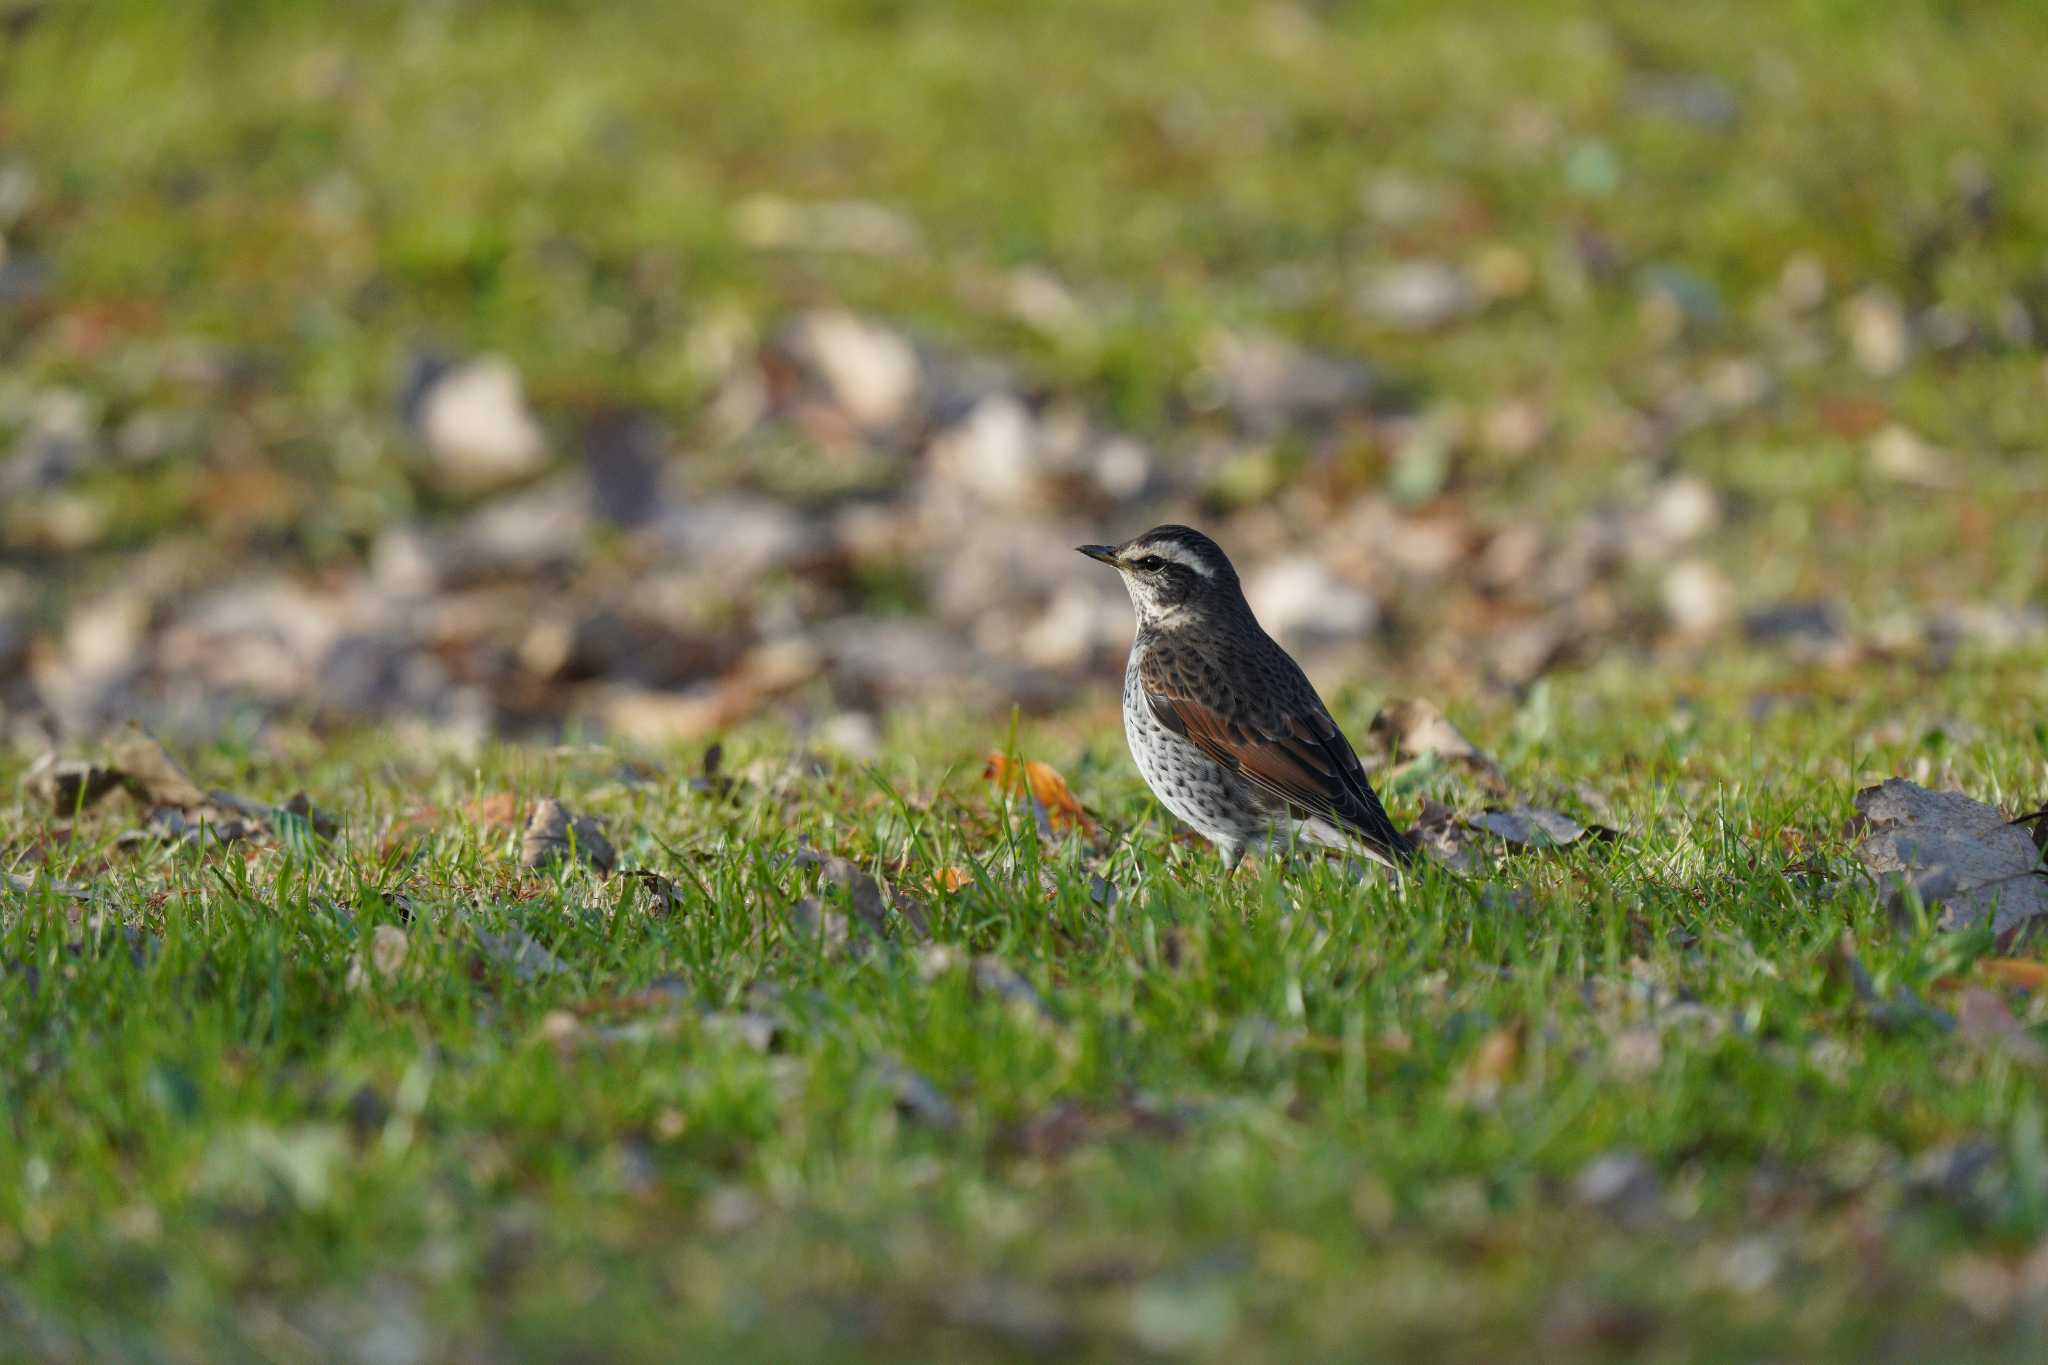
[838, 1044]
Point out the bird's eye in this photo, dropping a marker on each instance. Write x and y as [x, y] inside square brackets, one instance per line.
[1151, 563]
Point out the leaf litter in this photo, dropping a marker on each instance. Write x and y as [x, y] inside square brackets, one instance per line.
[176, 808]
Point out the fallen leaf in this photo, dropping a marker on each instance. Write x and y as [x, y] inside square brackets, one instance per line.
[1954, 851]
[301, 807]
[661, 892]
[388, 947]
[990, 975]
[497, 810]
[1011, 1310]
[554, 833]
[1535, 827]
[1478, 1082]
[1415, 728]
[1439, 833]
[2038, 820]
[26, 885]
[69, 785]
[1983, 1020]
[751, 1028]
[2021, 973]
[810, 920]
[951, 879]
[1048, 790]
[864, 894]
[141, 763]
[1619, 1182]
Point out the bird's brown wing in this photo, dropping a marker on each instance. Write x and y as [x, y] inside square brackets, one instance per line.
[1302, 759]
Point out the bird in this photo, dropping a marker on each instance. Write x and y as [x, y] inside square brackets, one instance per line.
[1228, 731]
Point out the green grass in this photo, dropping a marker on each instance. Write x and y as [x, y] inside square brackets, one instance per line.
[1246, 1121]
[1253, 1120]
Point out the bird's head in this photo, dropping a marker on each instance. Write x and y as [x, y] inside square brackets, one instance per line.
[1173, 572]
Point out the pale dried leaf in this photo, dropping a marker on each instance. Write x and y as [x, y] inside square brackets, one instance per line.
[1954, 851]
[554, 833]
[142, 763]
[1983, 1020]
[388, 947]
[1534, 827]
[23, 886]
[69, 785]
[1415, 728]
[1479, 1081]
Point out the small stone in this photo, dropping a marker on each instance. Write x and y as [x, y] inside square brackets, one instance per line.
[1514, 428]
[990, 455]
[1900, 455]
[388, 948]
[55, 444]
[623, 451]
[1418, 296]
[1272, 385]
[1302, 602]
[1698, 598]
[857, 226]
[1803, 283]
[853, 733]
[1617, 1182]
[872, 373]
[1123, 468]
[1815, 627]
[1877, 331]
[477, 427]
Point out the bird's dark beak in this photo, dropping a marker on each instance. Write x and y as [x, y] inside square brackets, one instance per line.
[1105, 553]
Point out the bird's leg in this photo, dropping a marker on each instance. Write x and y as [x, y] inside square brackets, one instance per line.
[1233, 854]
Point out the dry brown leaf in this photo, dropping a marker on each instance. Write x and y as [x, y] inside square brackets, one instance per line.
[142, 763]
[1047, 788]
[656, 716]
[2022, 973]
[496, 810]
[1415, 728]
[553, 832]
[69, 785]
[1478, 1083]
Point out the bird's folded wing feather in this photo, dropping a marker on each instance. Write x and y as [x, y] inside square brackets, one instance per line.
[1303, 760]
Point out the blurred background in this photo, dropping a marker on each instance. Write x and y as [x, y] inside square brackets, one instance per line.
[630, 370]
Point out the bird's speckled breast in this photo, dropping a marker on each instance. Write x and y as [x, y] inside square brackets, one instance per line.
[1187, 781]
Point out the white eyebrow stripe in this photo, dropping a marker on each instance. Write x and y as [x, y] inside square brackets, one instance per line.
[1179, 554]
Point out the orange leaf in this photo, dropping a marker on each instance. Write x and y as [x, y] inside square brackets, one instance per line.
[1478, 1083]
[499, 810]
[951, 879]
[1048, 788]
[2014, 971]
